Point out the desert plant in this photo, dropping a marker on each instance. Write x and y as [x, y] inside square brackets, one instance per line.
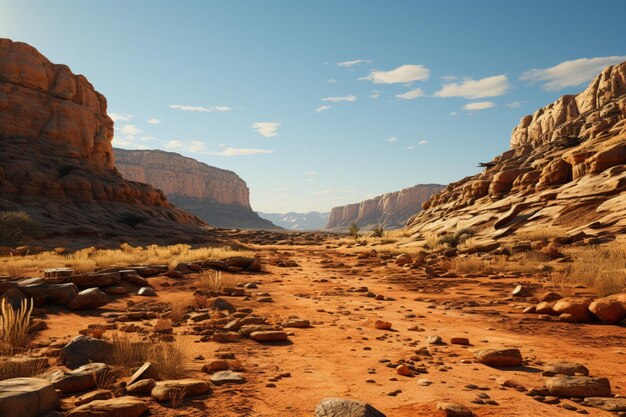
[354, 230]
[210, 280]
[177, 397]
[468, 265]
[168, 358]
[105, 378]
[378, 231]
[200, 301]
[178, 309]
[14, 325]
[601, 267]
[21, 367]
[15, 226]
[456, 238]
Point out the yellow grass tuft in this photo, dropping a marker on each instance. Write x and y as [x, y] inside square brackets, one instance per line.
[600, 267]
[14, 326]
[210, 280]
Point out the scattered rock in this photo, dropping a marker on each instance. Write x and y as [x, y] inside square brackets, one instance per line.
[522, 291]
[609, 309]
[578, 386]
[565, 368]
[192, 387]
[227, 377]
[454, 410]
[382, 325]
[77, 380]
[89, 298]
[141, 387]
[146, 371]
[99, 394]
[269, 336]
[500, 358]
[26, 397]
[147, 292]
[115, 407]
[337, 407]
[609, 404]
[84, 349]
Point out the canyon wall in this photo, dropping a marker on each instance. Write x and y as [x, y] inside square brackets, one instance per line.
[390, 210]
[566, 169]
[57, 163]
[218, 196]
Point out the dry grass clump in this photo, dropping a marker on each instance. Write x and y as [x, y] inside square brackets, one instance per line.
[541, 234]
[14, 326]
[560, 283]
[200, 301]
[177, 397]
[210, 280]
[21, 367]
[105, 378]
[468, 265]
[90, 259]
[600, 267]
[178, 309]
[168, 358]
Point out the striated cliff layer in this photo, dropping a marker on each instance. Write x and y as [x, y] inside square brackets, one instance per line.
[390, 210]
[312, 220]
[218, 196]
[566, 169]
[57, 163]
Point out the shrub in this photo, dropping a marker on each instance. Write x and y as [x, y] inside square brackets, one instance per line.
[354, 230]
[14, 326]
[456, 238]
[15, 226]
[211, 281]
[378, 231]
[601, 267]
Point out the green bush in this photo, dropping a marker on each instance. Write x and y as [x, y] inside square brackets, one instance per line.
[378, 231]
[456, 238]
[354, 229]
[15, 226]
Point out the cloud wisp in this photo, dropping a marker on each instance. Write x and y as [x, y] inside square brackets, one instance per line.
[411, 95]
[266, 129]
[479, 105]
[403, 74]
[570, 73]
[353, 63]
[323, 108]
[472, 89]
[338, 99]
[207, 109]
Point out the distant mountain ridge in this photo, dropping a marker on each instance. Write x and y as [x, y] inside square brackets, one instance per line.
[391, 210]
[312, 220]
[218, 196]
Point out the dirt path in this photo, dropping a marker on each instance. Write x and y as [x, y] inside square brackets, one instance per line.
[344, 355]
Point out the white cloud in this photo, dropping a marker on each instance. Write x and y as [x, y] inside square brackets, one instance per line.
[322, 108]
[267, 129]
[173, 144]
[410, 95]
[350, 64]
[410, 148]
[153, 121]
[375, 94]
[514, 104]
[423, 142]
[402, 74]
[228, 151]
[340, 98]
[333, 81]
[453, 113]
[120, 117]
[570, 73]
[479, 105]
[449, 78]
[209, 109]
[485, 87]
[196, 147]
[130, 130]
[391, 139]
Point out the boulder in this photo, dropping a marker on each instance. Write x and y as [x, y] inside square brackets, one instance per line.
[454, 410]
[500, 358]
[227, 377]
[79, 379]
[578, 386]
[565, 368]
[522, 291]
[609, 309]
[96, 280]
[141, 387]
[269, 336]
[147, 292]
[145, 371]
[89, 298]
[26, 397]
[338, 407]
[13, 297]
[579, 308]
[192, 387]
[99, 394]
[115, 407]
[608, 404]
[51, 293]
[84, 349]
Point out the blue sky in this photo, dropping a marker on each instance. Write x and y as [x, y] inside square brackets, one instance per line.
[322, 103]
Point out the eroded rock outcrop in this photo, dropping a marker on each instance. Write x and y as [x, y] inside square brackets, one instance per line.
[390, 210]
[218, 196]
[57, 163]
[566, 168]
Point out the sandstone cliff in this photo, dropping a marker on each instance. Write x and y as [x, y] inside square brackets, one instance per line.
[218, 196]
[57, 164]
[312, 220]
[566, 169]
[390, 210]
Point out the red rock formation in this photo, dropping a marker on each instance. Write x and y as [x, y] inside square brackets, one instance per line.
[566, 168]
[390, 210]
[56, 159]
[218, 196]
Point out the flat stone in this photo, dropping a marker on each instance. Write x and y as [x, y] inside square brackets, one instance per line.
[608, 404]
[89, 298]
[141, 387]
[565, 368]
[338, 407]
[192, 387]
[578, 386]
[146, 371]
[500, 358]
[99, 394]
[227, 377]
[269, 336]
[77, 380]
[26, 397]
[454, 410]
[115, 407]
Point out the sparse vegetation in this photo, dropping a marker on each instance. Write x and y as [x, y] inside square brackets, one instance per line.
[89, 259]
[168, 358]
[455, 239]
[540, 234]
[178, 309]
[200, 301]
[177, 397]
[21, 367]
[354, 230]
[14, 326]
[104, 379]
[468, 265]
[378, 231]
[15, 227]
[600, 267]
[210, 280]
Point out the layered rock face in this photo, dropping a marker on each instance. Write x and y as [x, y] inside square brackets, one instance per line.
[390, 210]
[566, 168]
[56, 159]
[312, 220]
[218, 196]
